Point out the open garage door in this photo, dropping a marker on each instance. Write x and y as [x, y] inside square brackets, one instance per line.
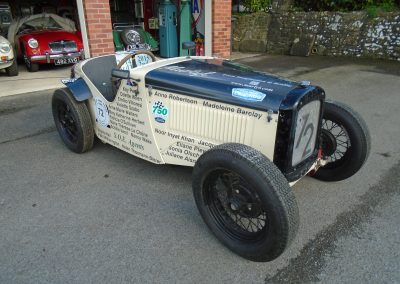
[161, 24]
[46, 32]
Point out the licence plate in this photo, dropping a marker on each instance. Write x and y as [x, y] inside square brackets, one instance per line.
[66, 61]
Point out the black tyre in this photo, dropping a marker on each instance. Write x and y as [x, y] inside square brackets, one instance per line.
[31, 66]
[13, 69]
[73, 121]
[345, 142]
[245, 201]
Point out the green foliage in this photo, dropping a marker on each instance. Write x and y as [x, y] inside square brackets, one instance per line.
[371, 6]
[256, 5]
[388, 6]
[372, 10]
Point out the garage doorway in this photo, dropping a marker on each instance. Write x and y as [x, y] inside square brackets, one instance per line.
[51, 68]
[168, 23]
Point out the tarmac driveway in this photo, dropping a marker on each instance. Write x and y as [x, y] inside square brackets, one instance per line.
[108, 217]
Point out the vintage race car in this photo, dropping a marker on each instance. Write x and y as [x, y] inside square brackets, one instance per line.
[46, 39]
[8, 60]
[248, 135]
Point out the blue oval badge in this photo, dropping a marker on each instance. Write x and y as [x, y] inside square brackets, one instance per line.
[160, 119]
[249, 95]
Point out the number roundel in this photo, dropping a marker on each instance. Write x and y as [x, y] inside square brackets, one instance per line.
[102, 116]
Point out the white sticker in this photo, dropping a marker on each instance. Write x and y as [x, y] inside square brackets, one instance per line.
[101, 109]
[249, 95]
[142, 59]
[68, 80]
[128, 65]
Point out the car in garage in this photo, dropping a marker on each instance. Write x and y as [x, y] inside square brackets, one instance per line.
[46, 39]
[248, 135]
[8, 60]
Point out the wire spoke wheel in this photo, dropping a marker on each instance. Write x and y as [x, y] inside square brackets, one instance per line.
[345, 142]
[335, 141]
[245, 201]
[235, 206]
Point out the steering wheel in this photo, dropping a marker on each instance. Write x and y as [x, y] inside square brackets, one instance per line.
[129, 56]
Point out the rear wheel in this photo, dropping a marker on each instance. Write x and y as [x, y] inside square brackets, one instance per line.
[245, 201]
[345, 142]
[73, 121]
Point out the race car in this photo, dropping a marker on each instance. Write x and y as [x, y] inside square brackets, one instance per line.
[248, 135]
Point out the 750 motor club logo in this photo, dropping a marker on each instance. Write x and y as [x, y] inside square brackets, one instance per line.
[160, 112]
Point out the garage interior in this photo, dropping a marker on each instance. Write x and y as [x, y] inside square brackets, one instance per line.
[161, 24]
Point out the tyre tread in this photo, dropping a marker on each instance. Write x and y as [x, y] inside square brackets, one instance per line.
[83, 117]
[275, 179]
[363, 136]
[361, 123]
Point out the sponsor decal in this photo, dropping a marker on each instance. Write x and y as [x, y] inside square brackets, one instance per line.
[102, 114]
[254, 83]
[160, 112]
[189, 72]
[249, 95]
[69, 80]
[160, 119]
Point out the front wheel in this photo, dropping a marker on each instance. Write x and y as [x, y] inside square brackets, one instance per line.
[73, 121]
[245, 201]
[31, 66]
[13, 69]
[345, 142]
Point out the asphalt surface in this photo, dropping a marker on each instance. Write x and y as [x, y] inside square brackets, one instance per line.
[108, 217]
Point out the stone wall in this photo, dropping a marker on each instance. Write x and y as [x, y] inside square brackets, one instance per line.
[250, 32]
[337, 34]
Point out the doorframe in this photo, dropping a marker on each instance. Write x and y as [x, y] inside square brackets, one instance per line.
[208, 28]
[82, 23]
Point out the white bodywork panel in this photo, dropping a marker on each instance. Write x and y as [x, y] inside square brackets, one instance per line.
[9, 54]
[164, 127]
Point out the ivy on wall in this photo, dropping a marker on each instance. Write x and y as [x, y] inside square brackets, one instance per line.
[372, 6]
[256, 5]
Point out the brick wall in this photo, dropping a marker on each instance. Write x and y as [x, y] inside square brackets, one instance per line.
[99, 28]
[221, 28]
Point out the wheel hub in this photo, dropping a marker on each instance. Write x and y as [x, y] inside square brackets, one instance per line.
[67, 121]
[234, 205]
[328, 144]
[243, 203]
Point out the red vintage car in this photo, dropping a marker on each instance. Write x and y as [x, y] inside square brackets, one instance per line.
[46, 39]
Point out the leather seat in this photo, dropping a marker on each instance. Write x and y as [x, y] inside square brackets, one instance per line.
[98, 71]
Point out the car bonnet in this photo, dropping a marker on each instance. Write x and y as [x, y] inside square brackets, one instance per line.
[222, 81]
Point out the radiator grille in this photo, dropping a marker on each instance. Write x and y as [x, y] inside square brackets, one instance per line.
[63, 46]
[209, 123]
